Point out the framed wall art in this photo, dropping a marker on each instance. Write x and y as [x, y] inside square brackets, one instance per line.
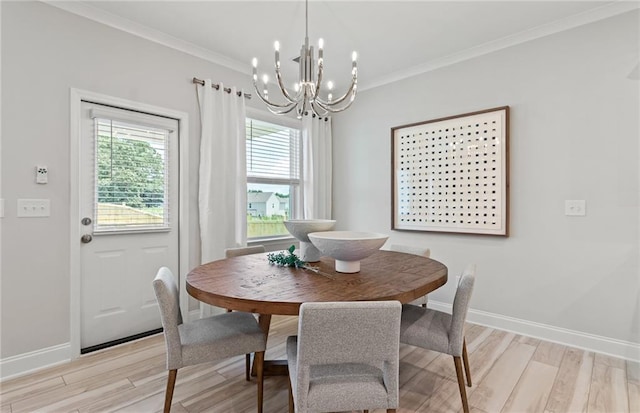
[452, 174]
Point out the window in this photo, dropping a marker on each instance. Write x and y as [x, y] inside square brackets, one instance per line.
[273, 177]
[131, 183]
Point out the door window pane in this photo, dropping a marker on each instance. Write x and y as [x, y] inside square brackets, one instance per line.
[131, 177]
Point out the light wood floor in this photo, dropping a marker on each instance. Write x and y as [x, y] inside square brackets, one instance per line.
[510, 373]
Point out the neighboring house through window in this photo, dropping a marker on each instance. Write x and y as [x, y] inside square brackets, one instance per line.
[273, 176]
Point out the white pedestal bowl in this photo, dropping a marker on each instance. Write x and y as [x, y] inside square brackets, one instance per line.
[300, 228]
[347, 247]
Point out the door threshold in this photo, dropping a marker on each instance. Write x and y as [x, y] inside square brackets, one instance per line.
[119, 341]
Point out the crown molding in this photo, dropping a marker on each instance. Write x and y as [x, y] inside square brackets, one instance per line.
[567, 23]
[603, 12]
[84, 9]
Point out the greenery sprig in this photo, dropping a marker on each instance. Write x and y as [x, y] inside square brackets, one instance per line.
[289, 259]
[286, 259]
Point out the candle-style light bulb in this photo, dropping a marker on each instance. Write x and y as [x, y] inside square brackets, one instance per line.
[354, 64]
[254, 63]
[276, 45]
[265, 79]
[330, 85]
[296, 87]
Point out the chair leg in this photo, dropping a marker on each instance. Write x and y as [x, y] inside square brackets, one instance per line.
[171, 382]
[465, 360]
[391, 410]
[259, 361]
[463, 391]
[291, 404]
[247, 362]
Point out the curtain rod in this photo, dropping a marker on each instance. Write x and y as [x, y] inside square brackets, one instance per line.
[217, 87]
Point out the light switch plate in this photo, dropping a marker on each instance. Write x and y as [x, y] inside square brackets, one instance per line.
[575, 207]
[33, 208]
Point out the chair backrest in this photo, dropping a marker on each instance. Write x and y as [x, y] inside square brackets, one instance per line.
[366, 332]
[461, 307]
[167, 295]
[410, 249]
[236, 252]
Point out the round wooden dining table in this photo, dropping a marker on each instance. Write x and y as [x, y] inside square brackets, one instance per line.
[250, 283]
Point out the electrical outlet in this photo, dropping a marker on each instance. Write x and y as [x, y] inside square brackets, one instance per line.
[575, 207]
[42, 174]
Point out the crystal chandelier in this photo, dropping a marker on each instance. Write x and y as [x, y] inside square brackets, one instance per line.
[307, 90]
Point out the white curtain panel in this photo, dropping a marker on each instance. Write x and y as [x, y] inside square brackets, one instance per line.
[316, 150]
[222, 196]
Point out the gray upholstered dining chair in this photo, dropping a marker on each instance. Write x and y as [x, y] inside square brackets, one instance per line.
[345, 357]
[206, 339]
[410, 249]
[236, 252]
[442, 332]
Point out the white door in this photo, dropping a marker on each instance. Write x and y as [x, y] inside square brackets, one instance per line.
[129, 226]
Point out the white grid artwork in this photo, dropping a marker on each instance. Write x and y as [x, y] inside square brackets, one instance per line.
[451, 174]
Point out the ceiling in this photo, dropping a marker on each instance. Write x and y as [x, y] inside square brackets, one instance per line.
[394, 39]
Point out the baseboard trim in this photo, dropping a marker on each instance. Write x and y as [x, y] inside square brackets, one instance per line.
[591, 342]
[32, 361]
[22, 364]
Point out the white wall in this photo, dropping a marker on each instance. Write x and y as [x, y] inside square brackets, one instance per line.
[574, 135]
[45, 52]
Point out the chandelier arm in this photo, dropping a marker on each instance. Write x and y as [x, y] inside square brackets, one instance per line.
[265, 100]
[354, 82]
[276, 111]
[332, 107]
[274, 107]
[319, 81]
[283, 90]
[305, 101]
[318, 113]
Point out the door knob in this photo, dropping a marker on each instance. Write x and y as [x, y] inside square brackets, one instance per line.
[86, 221]
[86, 238]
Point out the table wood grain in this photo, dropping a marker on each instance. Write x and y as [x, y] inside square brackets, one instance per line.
[249, 283]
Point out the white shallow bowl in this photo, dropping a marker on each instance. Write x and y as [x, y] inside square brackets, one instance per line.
[300, 228]
[347, 247]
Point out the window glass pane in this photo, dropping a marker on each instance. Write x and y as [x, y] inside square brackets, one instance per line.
[267, 207]
[273, 151]
[273, 177]
[131, 177]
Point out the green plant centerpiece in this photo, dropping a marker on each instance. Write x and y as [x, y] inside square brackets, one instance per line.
[289, 259]
[286, 259]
